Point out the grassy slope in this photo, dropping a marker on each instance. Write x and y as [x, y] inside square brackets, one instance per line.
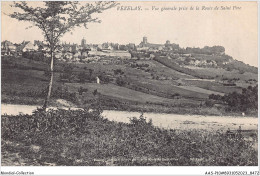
[167, 88]
[160, 69]
[23, 82]
[141, 78]
[201, 90]
[217, 73]
[223, 73]
[120, 92]
[25, 86]
[213, 86]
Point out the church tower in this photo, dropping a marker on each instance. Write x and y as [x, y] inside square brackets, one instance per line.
[83, 42]
[144, 40]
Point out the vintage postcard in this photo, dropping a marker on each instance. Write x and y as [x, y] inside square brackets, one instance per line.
[136, 83]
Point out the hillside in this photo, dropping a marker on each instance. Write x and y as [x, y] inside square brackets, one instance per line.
[160, 83]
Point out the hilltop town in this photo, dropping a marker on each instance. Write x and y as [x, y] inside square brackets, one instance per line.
[147, 77]
[146, 103]
[78, 52]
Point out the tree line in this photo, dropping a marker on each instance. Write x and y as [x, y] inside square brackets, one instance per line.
[247, 100]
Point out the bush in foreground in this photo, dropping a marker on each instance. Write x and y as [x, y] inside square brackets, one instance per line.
[81, 137]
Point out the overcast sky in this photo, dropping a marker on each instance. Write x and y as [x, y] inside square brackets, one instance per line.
[236, 30]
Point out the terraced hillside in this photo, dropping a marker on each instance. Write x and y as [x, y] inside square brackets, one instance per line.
[159, 83]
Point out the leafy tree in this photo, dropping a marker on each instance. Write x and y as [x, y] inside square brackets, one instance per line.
[82, 77]
[120, 81]
[90, 72]
[209, 103]
[118, 71]
[247, 100]
[67, 72]
[95, 92]
[104, 78]
[55, 18]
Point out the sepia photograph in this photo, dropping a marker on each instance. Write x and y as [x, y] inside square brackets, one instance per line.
[136, 83]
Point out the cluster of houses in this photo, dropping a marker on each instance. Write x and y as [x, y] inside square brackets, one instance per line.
[8, 48]
[77, 52]
[68, 51]
[198, 63]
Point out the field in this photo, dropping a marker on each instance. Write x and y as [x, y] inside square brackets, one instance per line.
[146, 85]
[120, 92]
[86, 138]
[214, 86]
[162, 70]
[220, 72]
[201, 90]
[83, 138]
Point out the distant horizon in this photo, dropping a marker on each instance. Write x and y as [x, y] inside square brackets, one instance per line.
[236, 31]
[135, 44]
[79, 43]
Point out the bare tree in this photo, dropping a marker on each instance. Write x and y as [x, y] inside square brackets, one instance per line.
[55, 19]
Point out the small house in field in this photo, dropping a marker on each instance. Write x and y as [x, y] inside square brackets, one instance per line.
[58, 55]
[77, 55]
[93, 48]
[7, 48]
[68, 55]
[39, 44]
[84, 54]
[98, 80]
[29, 46]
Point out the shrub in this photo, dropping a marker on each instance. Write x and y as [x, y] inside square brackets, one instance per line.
[81, 137]
[209, 103]
[82, 77]
[240, 102]
[95, 92]
[141, 121]
[118, 71]
[120, 81]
